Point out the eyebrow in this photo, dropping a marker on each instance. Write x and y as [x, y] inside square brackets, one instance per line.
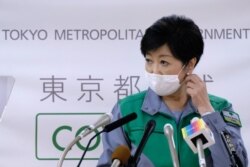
[162, 55]
[165, 55]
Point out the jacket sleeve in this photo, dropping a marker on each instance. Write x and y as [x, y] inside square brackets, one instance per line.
[111, 140]
[219, 152]
[117, 138]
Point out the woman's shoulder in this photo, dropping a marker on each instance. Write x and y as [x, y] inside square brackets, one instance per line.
[133, 98]
[219, 103]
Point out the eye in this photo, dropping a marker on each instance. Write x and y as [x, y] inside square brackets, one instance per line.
[164, 63]
[148, 61]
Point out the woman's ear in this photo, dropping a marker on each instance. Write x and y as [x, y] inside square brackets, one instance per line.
[191, 65]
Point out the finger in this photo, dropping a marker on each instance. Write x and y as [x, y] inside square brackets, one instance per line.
[193, 78]
[191, 85]
[190, 92]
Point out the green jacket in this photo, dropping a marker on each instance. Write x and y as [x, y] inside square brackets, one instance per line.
[156, 148]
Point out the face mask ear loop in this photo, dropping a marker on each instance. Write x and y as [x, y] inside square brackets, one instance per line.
[185, 65]
[182, 69]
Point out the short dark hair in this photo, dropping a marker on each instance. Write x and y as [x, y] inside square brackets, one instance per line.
[181, 35]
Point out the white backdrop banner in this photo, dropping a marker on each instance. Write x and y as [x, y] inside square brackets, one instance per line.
[72, 61]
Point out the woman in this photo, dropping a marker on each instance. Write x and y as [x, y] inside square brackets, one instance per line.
[172, 48]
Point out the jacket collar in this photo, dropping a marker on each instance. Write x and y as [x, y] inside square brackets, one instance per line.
[153, 104]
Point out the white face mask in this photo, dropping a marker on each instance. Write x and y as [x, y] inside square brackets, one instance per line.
[163, 85]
